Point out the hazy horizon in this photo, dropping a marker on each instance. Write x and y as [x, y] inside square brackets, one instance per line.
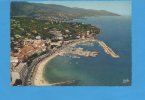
[118, 7]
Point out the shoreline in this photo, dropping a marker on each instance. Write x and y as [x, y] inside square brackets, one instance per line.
[38, 78]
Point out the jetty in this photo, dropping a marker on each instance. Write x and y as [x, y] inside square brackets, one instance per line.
[64, 83]
[107, 49]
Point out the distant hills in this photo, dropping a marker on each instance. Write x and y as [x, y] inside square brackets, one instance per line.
[53, 10]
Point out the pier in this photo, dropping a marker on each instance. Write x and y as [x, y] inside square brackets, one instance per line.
[107, 49]
[78, 51]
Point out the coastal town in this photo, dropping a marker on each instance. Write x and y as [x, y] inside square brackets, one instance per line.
[38, 36]
[32, 40]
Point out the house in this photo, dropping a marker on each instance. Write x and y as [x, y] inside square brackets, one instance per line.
[58, 35]
[78, 37]
[67, 31]
[66, 42]
[88, 33]
[83, 37]
[38, 37]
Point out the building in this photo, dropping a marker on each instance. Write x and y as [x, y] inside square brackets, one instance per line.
[83, 37]
[38, 37]
[19, 73]
[57, 34]
[14, 61]
[88, 33]
[59, 37]
[78, 37]
[67, 31]
[56, 44]
[66, 42]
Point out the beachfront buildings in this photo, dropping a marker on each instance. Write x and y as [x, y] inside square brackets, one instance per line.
[19, 73]
[30, 49]
[19, 59]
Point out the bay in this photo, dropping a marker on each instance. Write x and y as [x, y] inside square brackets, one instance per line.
[102, 70]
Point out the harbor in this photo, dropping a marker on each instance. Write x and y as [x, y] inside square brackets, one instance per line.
[102, 70]
[78, 51]
[38, 79]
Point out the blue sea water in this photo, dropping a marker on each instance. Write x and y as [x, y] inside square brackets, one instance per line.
[102, 70]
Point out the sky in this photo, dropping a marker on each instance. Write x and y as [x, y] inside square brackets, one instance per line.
[122, 7]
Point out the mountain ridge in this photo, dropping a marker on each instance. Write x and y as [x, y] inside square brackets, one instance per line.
[53, 10]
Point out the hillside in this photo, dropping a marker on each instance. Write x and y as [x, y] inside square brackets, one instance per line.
[52, 10]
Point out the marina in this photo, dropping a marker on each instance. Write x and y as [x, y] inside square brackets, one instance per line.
[78, 51]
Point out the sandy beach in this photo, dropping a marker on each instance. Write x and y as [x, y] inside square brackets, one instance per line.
[38, 78]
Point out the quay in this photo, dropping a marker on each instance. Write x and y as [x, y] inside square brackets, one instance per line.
[107, 49]
[78, 51]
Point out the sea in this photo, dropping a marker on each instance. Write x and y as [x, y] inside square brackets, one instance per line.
[102, 70]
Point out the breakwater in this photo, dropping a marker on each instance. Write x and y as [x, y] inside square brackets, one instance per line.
[107, 49]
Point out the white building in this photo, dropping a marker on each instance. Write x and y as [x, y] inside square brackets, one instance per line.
[14, 59]
[38, 37]
[59, 43]
[88, 32]
[19, 73]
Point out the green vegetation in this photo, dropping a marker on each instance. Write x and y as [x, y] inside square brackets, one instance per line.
[28, 28]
